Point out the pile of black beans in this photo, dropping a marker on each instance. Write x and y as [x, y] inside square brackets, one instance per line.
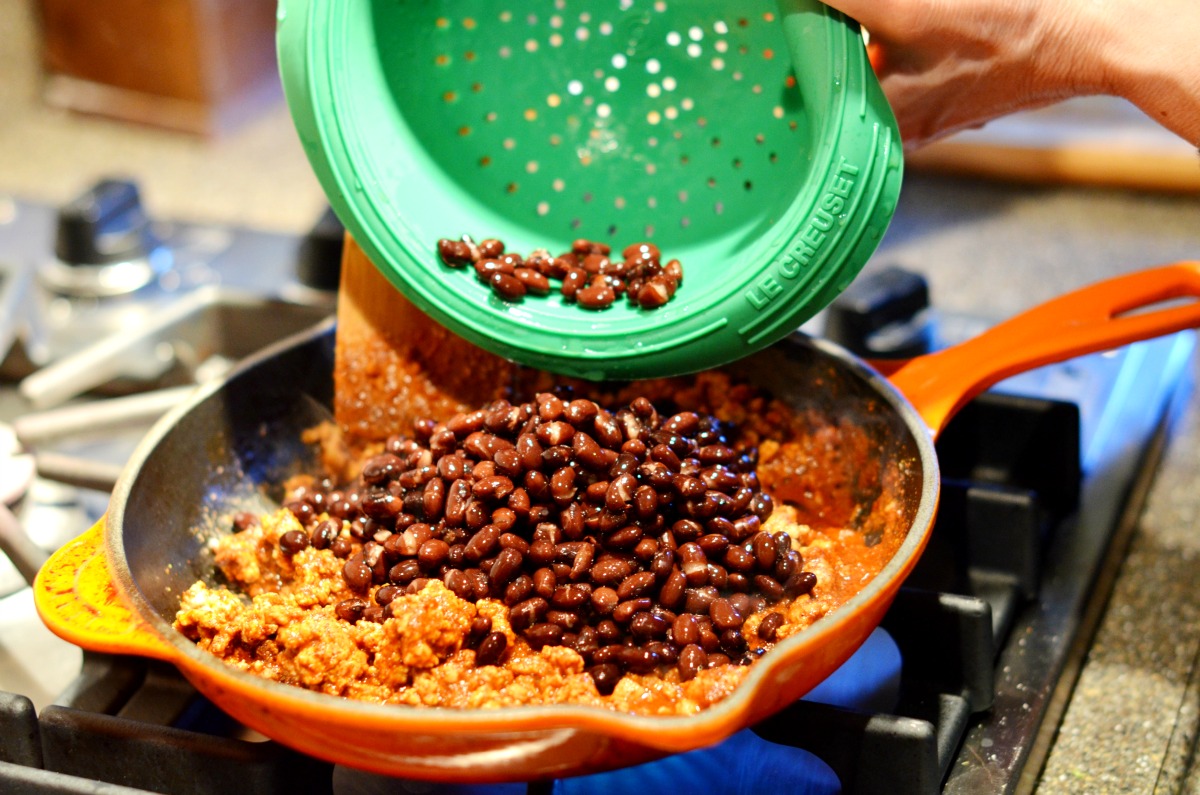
[588, 274]
[632, 537]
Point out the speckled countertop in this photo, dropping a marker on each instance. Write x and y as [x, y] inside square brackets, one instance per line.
[1131, 725]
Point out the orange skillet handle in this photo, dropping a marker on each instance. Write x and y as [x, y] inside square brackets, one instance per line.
[77, 599]
[1092, 319]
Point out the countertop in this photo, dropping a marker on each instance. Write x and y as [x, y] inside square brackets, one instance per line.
[1131, 724]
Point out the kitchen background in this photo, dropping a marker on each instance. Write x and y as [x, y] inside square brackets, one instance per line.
[986, 247]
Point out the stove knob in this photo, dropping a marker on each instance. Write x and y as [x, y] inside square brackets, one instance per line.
[105, 225]
[882, 315]
[319, 261]
[104, 244]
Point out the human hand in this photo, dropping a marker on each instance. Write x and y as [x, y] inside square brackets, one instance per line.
[949, 65]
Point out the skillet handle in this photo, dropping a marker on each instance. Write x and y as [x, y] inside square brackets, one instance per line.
[1092, 319]
[77, 599]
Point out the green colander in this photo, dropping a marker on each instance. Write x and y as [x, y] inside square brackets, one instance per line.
[748, 140]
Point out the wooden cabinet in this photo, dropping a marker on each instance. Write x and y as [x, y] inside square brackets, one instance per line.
[197, 65]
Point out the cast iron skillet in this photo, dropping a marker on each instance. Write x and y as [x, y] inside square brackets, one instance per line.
[115, 588]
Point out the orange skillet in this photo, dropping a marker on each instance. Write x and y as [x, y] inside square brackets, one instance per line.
[115, 588]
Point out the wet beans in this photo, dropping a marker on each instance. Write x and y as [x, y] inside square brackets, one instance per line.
[630, 535]
[588, 275]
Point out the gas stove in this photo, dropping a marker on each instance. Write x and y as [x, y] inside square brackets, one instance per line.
[958, 691]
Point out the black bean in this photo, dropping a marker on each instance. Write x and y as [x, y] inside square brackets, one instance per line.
[504, 519]
[626, 537]
[589, 453]
[787, 563]
[513, 541]
[718, 576]
[585, 642]
[662, 564]
[713, 544]
[745, 526]
[506, 284]
[494, 488]
[692, 660]
[769, 626]
[739, 559]
[528, 612]
[699, 600]
[519, 503]
[543, 634]
[508, 462]
[554, 434]
[673, 590]
[608, 631]
[491, 248]
[604, 600]
[570, 621]
[454, 253]
[480, 626]
[542, 551]
[341, 547]
[293, 541]
[562, 484]
[766, 551]
[646, 549]
[635, 585]
[454, 513]
[358, 574]
[743, 603]
[380, 505]
[351, 610]
[520, 589]
[544, 582]
[769, 587]
[620, 492]
[533, 281]
[483, 543]
[479, 585]
[733, 642]
[488, 267]
[506, 566]
[324, 533]
[606, 676]
[624, 611]
[724, 615]
[581, 562]
[571, 596]
[456, 581]
[573, 521]
[800, 583]
[647, 625]
[638, 659]
[611, 569]
[693, 563]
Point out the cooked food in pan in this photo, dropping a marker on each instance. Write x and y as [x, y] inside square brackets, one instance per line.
[635, 550]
